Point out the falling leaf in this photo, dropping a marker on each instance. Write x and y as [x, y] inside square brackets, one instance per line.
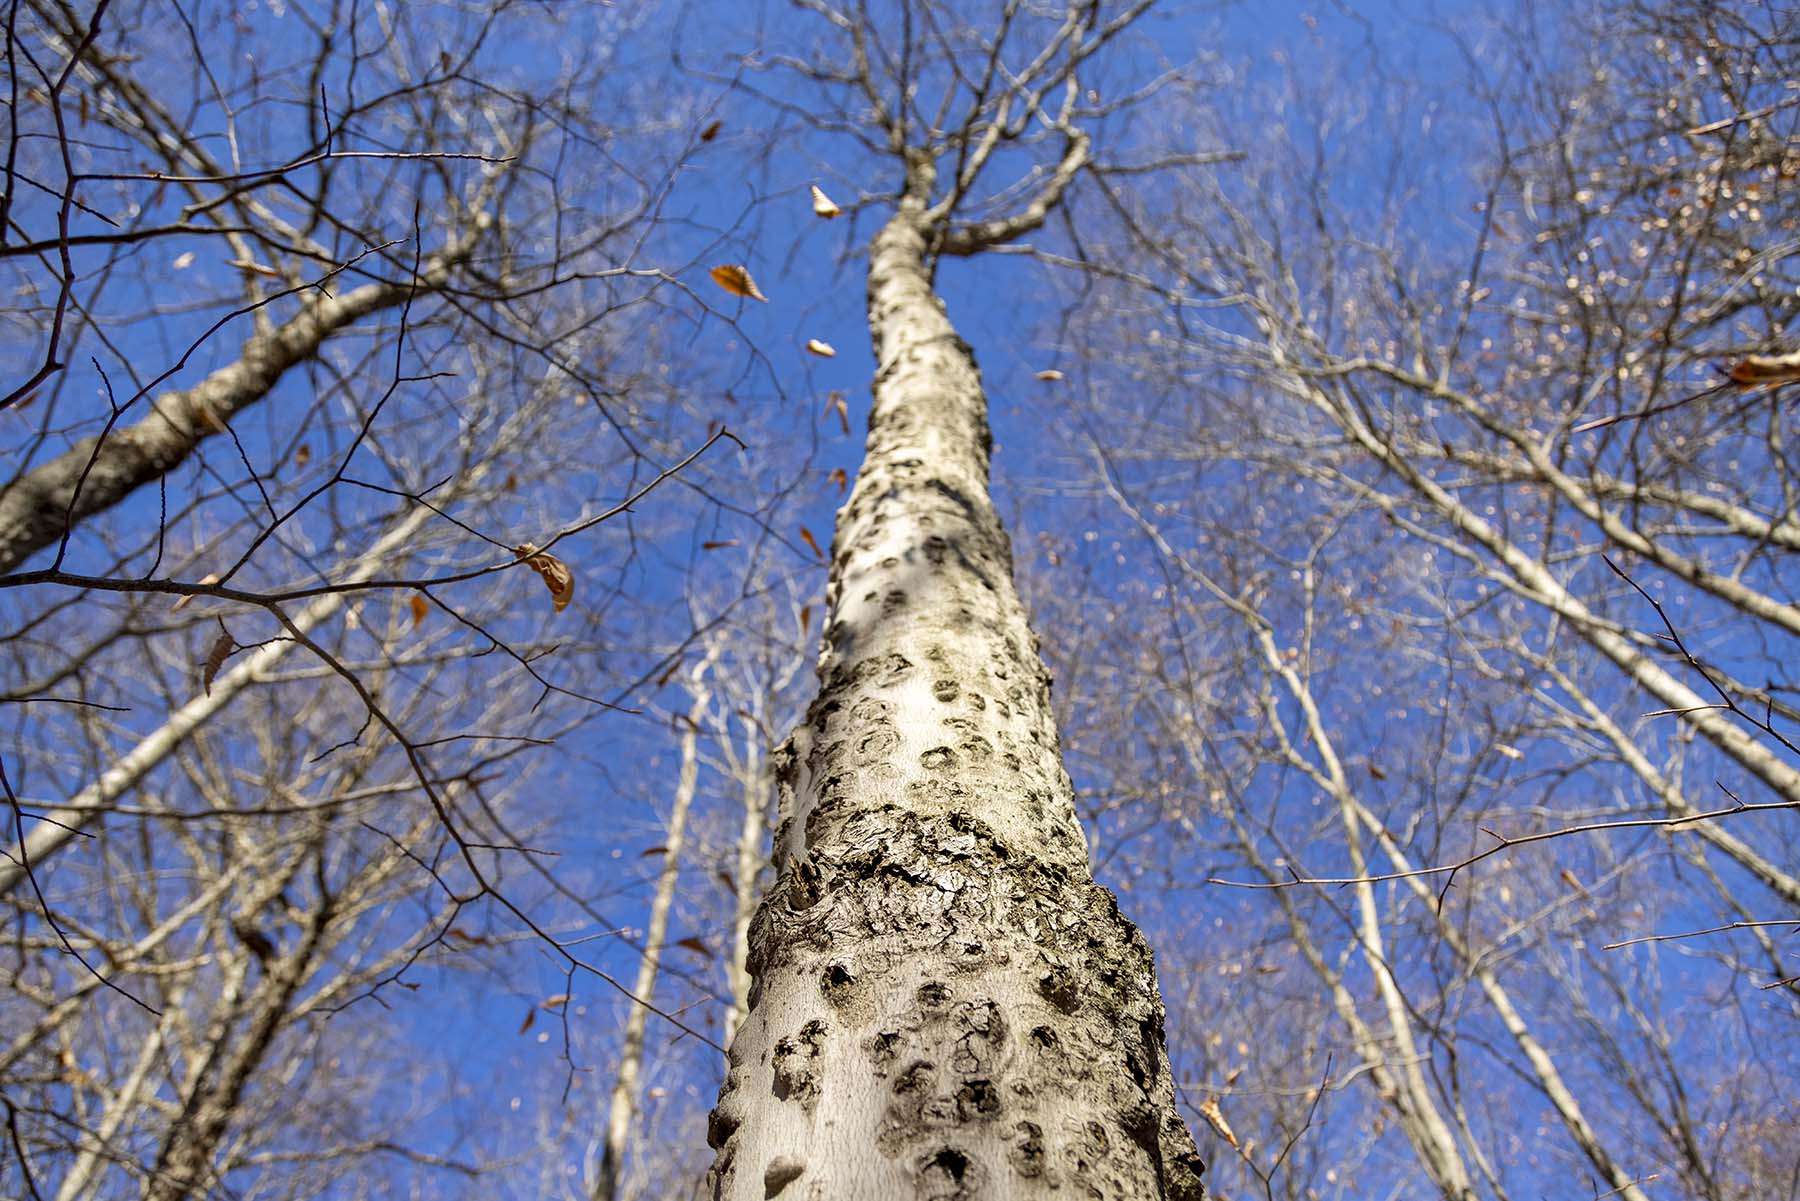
[216, 655]
[841, 478]
[721, 544]
[824, 350]
[694, 945]
[806, 537]
[556, 1002]
[805, 618]
[823, 205]
[1511, 752]
[302, 455]
[656, 1094]
[556, 574]
[1050, 375]
[735, 278]
[1766, 370]
[530, 1020]
[419, 609]
[182, 602]
[1376, 770]
[649, 851]
[726, 880]
[1569, 878]
[1215, 1117]
[183, 261]
[836, 401]
[712, 130]
[511, 483]
[253, 267]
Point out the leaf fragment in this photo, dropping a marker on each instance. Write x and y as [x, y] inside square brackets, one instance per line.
[823, 205]
[824, 350]
[555, 573]
[735, 278]
[1215, 1117]
[216, 655]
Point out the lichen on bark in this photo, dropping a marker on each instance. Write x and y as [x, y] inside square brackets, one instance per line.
[945, 1004]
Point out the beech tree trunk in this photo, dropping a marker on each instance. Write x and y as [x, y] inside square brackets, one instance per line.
[945, 1004]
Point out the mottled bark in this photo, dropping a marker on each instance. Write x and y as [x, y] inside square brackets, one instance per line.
[945, 1003]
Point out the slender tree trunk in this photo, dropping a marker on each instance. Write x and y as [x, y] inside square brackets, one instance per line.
[945, 1003]
[631, 1054]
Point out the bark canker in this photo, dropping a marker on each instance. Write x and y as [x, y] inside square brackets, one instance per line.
[945, 1003]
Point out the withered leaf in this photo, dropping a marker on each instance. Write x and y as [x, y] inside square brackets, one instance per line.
[836, 402]
[555, 573]
[1765, 370]
[1376, 770]
[1215, 1117]
[712, 130]
[806, 537]
[695, 945]
[216, 655]
[649, 851]
[420, 607]
[1050, 375]
[302, 455]
[727, 881]
[805, 618]
[182, 602]
[719, 544]
[530, 1020]
[823, 205]
[735, 278]
[556, 1002]
[841, 478]
[824, 350]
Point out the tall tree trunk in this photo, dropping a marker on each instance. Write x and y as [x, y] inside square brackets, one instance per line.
[631, 1053]
[945, 1003]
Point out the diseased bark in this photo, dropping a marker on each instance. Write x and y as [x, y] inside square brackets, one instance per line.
[945, 1004]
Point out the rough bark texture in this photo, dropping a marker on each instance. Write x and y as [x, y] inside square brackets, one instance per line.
[945, 1003]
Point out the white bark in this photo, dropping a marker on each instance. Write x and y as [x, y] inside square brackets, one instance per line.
[631, 1052]
[945, 1004]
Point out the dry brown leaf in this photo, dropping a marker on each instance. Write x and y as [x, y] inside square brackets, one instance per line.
[694, 945]
[805, 619]
[1050, 375]
[302, 455]
[1376, 770]
[712, 130]
[182, 602]
[719, 544]
[649, 851]
[727, 881]
[1215, 1117]
[1766, 370]
[824, 350]
[823, 205]
[806, 537]
[216, 655]
[836, 401]
[420, 607]
[841, 478]
[530, 1020]
[735, 278]
[556, 574]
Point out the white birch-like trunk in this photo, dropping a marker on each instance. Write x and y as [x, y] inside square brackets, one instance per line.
[945, 1004]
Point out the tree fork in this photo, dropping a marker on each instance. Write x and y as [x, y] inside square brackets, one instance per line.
[945, 1004]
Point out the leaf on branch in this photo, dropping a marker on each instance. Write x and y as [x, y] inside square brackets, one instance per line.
[735, 278]
[216, 655]
[806, 537]
[823, 205]
[1215, 1117]
[182, 602]
[253, 267]
[1050, 375]
[712, 130]
[695, 945]
[1765, 370]
[824, 350]
[556, 574]
[419, 608]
